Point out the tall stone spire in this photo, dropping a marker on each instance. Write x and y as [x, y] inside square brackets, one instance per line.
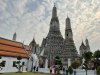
[54, 23]
[33, 42]
[68, 30]
[69, 46]
[54, 11]
[82, 44]
[54, 40]
[68, 25]
[87, 44]
[14, 36]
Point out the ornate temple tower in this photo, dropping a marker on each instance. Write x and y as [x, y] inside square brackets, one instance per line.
[54, 40]
[84, 47]
[87, 44]
[14, 37]
[33, 45]
[55, 45]
[69, 46]
[35, 49]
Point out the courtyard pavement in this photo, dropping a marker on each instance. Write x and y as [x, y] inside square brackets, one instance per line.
[78, 71]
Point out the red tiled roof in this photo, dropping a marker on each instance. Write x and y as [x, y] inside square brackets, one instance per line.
[11, 54]
[10, 42]
[12, 48]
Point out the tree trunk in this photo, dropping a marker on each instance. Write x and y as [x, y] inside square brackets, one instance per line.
[86, 72]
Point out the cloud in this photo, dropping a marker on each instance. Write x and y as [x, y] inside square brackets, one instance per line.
[30, 18]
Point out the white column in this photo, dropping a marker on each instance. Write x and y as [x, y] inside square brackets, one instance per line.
[46, 63]
[69, 62]
[83, 60]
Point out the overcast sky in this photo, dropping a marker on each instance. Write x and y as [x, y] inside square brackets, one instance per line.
[30, 18]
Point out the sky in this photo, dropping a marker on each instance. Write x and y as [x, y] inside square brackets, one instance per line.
[31, 18]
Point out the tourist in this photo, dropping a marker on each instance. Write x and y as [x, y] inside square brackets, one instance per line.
[63, 70]
[37, 69]
[54, 70]
[34, 68]
[66, 71]
[50, 70]
[74, 72]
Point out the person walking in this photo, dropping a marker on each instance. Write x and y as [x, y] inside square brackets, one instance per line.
[37, 69]
[63, 70]
[34, 68]
[55, 71]
[50, 70]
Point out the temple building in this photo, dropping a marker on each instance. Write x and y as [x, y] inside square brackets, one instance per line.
[69, 50]
[10, 50]
[35, 48]
[55, 45]
[42, 56]
[84, 47]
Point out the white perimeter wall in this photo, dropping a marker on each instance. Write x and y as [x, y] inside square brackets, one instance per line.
[9, 64]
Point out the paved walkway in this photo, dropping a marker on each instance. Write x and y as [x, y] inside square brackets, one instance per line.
[78, 71]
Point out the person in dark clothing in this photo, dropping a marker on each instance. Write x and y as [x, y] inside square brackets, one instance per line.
[37, 69]
[66, 72]
[34, 68]
[74, 72]
[63, 70]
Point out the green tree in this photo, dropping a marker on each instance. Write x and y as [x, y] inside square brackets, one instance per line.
[58, 63]
[19, 58]
[87, 56]
[97, 54]
[2, 64]
[58, 60]
[85, 67]
[70, 70]
[18, 66]
[75, 65]
[98, 70]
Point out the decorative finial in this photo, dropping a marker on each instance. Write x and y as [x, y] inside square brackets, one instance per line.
[54, 4]
[67, 15]
[14, 36]
[23, 41]
[86, 37]
[82, 42]
[34, 35]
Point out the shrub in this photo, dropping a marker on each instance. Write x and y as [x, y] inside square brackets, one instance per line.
[70, 70]
[75, 64]
[98, 70]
